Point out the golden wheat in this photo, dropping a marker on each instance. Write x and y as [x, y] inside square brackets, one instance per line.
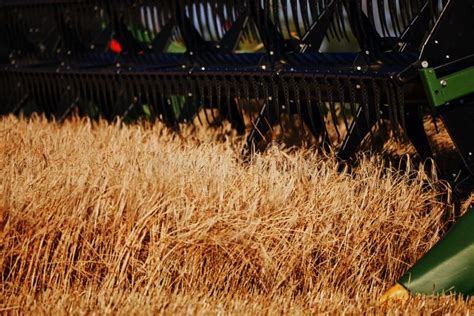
[108, 218]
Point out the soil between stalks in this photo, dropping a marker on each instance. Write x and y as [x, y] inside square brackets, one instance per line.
[106, 218]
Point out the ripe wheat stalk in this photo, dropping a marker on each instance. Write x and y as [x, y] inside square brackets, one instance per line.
[113, 218]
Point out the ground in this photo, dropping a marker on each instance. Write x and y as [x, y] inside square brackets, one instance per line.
[113, 218]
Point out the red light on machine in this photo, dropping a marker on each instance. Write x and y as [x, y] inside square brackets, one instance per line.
[115, 46]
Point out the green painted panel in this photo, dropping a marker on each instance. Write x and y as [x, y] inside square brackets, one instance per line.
[442, 90]
[449, 266]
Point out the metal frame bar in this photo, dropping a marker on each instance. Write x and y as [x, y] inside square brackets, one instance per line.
[441, 91]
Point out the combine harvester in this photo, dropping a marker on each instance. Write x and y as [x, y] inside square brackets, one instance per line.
[344, 68]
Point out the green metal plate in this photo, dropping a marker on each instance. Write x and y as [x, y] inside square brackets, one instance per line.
[443, 90]
[449, 266]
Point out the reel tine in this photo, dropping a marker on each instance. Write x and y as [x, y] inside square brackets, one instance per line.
[341, 97]
[232, 102]
[400, 100]
[202, 92]
[84, 82]
[210, 92]
[228, 105]
[168, 101]
[394, 17]
[313, 10]
[406, 12]
[16, 83]
[218, 15]
[214, 18]
[352, 97]
[200, 9]
[193, 17]
[297, 96]
[93, 105]
[7, 84]
[154, 106]
[160, 99]
[4, 105]
[117, 91]
[319, 105]
[166, 114]
[255, 88]
[165, 97]
[233, 9]
[61, 90]
[173, 100]
[154, 19]
[218, 84]
[76, 93]
[220, 21]
[268, 114]
[123, 97]
[276, 99]
[61, 95]
[54, 94]
[304, 14]
[264, 32]
[13, 83]
[201, 16]
[46, 90]
[413, 8]
[48, 93]
[329, 91]
[145, 25]
[382, 17]
[338, 27]
[275, 16]
[145, 102]
[296, 17]
[20, 81]
[388, 98]
[393, 105]
[130, 85]
[284, 11]
[181, 97]
[309, 108]
[246, 89]
[365, 101]
[177, 97]
[433, 7]
[142, 98]
[110, 94]
[238, 95]
[98, 84]
[169, 95]
[286, 100]
[377, 99]
[40, 92]
[370, 11]
[334, 28]
[79, 86]
[95, 87]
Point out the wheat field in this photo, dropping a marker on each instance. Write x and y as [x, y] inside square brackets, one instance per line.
[135, 219]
